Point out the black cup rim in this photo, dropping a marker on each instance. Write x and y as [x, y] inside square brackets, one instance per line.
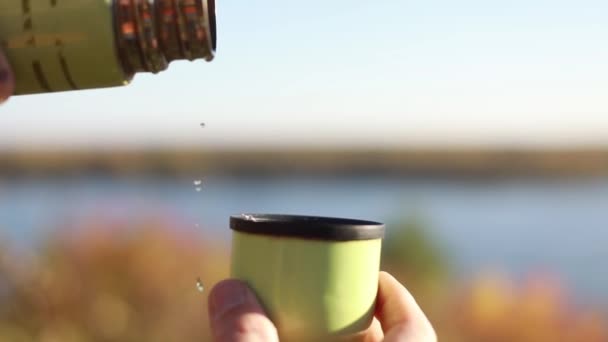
[307, 227]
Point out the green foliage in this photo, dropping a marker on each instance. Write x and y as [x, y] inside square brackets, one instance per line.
[137, 282]
[411, 250]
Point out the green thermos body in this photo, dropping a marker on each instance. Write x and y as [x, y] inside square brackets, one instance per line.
[61, 45]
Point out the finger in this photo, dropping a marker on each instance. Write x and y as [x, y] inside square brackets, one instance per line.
[237, 316]
[372, 334]
[401, 317]
[7, 81]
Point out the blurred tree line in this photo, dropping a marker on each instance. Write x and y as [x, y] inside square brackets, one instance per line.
[136, 281]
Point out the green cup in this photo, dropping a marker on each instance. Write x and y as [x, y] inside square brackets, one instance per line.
[317, 277]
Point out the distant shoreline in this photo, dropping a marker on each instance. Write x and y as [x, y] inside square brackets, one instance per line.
[455, 163]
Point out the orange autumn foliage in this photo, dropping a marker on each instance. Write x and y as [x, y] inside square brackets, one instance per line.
[136, 281]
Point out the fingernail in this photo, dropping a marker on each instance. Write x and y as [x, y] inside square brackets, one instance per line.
[4, 75]
[227, 296]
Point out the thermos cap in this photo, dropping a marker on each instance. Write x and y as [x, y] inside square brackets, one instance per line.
[307, 227]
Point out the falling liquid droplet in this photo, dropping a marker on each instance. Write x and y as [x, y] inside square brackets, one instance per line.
[199, 285]
[198, 189]
[203, 124]
[198, 182]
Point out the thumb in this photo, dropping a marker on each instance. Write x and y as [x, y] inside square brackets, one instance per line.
[400, 316]
[7, 81]
[237, 316]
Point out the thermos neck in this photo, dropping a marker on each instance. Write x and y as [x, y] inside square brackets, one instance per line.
[149, 35]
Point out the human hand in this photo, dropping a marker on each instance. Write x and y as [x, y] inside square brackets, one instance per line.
[237, 316]
[7, 80]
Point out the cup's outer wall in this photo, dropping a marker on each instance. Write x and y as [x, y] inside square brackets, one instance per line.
[310, 287]
[58, 45]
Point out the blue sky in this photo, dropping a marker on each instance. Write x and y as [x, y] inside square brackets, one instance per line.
[355, 73]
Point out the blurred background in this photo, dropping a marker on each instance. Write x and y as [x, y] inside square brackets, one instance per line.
[478, 131]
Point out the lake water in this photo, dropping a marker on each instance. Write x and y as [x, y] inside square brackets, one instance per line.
[519, 225]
